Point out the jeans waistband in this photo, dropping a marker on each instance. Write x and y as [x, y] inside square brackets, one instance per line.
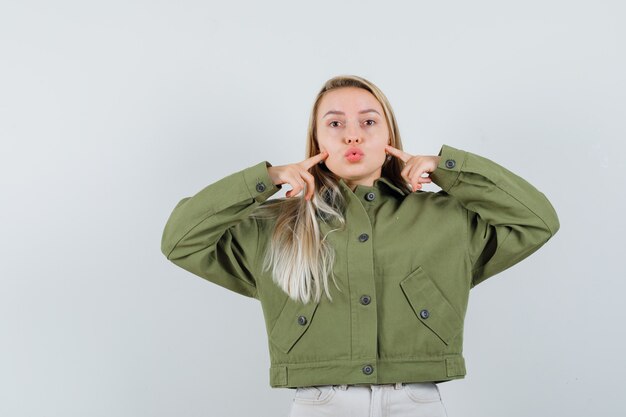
[343, 387]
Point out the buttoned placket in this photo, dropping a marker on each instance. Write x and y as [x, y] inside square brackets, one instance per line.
[361, 279]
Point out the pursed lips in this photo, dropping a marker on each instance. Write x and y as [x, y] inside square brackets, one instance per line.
[354, 151]
[354, 154]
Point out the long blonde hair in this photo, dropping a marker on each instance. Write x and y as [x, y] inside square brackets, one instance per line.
[301, 258]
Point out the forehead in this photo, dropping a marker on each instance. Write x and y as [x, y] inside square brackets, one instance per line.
[348, 99]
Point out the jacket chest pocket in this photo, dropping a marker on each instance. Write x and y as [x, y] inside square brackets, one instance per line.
[430, 306]
[293, 321]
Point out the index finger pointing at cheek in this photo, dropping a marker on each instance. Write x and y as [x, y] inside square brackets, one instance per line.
[397, 153]
[309, 162]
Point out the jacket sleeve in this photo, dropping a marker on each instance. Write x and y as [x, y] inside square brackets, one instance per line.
[507, 218]
[211, 235]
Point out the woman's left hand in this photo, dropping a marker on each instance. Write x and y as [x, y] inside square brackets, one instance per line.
[416, 165]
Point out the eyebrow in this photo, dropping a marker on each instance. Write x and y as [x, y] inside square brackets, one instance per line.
[340, 112]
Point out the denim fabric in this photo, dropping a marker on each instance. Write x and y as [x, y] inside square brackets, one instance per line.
[419, 399]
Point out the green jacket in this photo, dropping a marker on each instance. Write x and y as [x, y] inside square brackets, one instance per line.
[405, 264]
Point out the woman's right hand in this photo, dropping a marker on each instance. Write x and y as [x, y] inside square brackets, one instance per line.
[297, 175]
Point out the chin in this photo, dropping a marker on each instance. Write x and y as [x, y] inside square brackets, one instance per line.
[352, 171]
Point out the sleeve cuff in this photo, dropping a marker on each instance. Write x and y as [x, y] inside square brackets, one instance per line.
[259, 182]
[449, 168]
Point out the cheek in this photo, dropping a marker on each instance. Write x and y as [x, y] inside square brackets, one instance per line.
[327, 145]
[334, 159]
[379, 148]
[379, 157]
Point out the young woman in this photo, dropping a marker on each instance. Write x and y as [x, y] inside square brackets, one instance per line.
[402, 260]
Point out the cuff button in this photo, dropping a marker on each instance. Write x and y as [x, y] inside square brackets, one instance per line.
[260, 187]
[450, 163]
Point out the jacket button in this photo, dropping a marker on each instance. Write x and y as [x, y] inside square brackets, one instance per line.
[424, 314]
[260, 187]
[363, 237]
[450, 163]
[302, 320]
[370, 196]
[368, 369]
[365, 299]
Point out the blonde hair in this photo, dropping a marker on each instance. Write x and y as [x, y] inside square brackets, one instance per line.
[300, 258]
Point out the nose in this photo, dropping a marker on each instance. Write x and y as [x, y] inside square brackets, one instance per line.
[352, 134]
[352, 139]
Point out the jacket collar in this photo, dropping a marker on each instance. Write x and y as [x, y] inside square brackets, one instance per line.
[377, 184]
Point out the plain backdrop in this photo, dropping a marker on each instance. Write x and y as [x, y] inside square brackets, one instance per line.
[111, 112]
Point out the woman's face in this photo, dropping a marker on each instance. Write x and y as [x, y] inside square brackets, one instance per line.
[352, 127]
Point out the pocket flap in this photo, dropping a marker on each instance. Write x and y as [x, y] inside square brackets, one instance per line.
[294, 319]
[430, 306]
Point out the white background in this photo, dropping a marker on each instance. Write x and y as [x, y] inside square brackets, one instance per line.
[111, 112]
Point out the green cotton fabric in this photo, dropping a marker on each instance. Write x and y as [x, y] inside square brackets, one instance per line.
[405, 265]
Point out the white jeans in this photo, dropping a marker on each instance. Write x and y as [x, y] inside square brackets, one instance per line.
[416, 399]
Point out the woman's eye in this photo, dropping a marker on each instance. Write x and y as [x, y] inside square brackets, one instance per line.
[367, 121]
[334, 121]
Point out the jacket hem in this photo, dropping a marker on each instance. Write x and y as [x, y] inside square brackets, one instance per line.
[383, 372]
